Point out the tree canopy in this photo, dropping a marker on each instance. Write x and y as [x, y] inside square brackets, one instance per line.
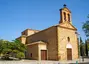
[85, 27]
[12, 49]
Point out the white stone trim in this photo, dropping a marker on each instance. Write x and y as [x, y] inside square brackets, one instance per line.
[68, 45]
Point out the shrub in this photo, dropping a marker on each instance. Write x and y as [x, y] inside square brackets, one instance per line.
[20, 55]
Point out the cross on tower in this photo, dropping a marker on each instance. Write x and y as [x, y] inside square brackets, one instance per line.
[64, 5]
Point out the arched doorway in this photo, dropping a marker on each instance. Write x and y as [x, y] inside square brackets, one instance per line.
[69, 51]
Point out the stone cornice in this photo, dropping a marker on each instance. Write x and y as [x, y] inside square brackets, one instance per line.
[67, 28]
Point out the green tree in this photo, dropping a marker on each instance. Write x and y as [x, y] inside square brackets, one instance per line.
[12, 49]
[81, 47]
[85, 27]
[1, 41]
[4, 45]
[19, 49]
[86, 47]
[19, 46]
[20, 55]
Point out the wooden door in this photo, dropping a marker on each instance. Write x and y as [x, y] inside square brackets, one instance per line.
[43, 54]
[69, 54]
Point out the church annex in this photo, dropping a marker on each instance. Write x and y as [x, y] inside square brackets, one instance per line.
[58, 42]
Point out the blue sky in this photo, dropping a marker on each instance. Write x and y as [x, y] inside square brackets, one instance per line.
[18, 15]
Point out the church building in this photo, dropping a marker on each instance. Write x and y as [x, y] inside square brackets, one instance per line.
[58, 42]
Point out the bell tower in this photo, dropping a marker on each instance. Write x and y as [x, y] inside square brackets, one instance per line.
[65, 15]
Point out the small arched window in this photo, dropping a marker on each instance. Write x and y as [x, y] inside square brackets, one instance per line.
[69, 17]
[64, 16]
[68, 38]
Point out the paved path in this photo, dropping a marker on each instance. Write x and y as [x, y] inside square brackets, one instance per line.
[86, 61]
